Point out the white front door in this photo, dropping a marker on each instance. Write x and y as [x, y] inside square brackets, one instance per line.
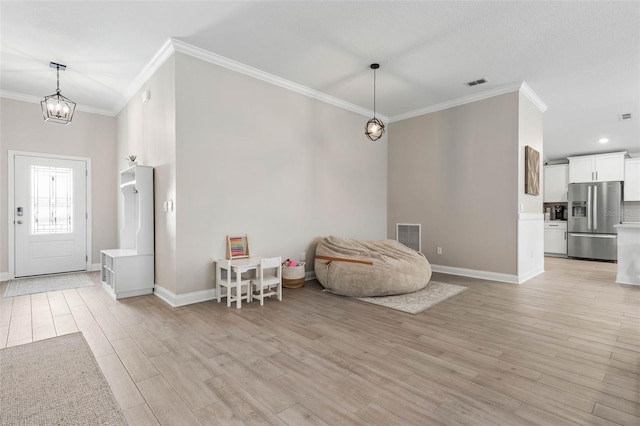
[50, 215]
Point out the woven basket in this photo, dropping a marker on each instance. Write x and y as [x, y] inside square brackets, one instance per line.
[293, 276]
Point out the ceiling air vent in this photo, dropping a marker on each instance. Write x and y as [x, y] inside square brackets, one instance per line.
[410, 235]
[476, 82]
[626, 116]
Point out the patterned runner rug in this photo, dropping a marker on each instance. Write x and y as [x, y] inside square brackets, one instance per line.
[421, 300]
[24, 286]
[55, 381]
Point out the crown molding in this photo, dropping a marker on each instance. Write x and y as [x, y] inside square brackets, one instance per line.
[533, 97]
[36, 100]
[173, 45]
[147, 72]
[207, 56]
[521, 87]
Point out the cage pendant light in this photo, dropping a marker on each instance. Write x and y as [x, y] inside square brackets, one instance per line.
[374, 129]
[57, 108]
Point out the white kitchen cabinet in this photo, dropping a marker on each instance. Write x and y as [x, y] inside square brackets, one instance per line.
[632, 179]
[129, 270]
[597, 168]
[555, 237]
[556, 182]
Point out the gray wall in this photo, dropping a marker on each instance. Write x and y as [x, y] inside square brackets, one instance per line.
[281, 167]
[88, 135]
[456, 172]
[148, 131]
[248, 157]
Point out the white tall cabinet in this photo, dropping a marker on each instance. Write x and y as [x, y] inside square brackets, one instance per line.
[129, 270]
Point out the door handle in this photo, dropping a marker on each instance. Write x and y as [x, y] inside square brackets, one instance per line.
[594, 208]
[589, 208]
[19, 222]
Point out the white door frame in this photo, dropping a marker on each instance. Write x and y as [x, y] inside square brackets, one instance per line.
[11, 203]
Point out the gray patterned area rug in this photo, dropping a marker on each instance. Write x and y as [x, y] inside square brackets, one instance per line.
[24, 286]
[421, 300]
[55, 381]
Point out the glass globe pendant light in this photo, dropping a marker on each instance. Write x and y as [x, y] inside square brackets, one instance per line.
[374, 129]
[57, 108]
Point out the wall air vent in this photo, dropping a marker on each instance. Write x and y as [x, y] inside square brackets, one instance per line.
[626, 116]
[410, 235]
[476, 82]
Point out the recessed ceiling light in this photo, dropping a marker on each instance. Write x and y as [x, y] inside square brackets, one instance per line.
[603, 140]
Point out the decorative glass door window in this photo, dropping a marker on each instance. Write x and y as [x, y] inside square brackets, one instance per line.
[52, 200]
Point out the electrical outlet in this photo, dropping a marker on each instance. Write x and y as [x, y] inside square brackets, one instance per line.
[438, 250]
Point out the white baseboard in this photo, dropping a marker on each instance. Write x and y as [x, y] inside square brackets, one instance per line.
[176, 300]
[486, 275]
[4, 276]
[474, 273]
[627, 279]
[526, 277]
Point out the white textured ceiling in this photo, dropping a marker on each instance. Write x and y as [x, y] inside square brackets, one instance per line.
[581, 58]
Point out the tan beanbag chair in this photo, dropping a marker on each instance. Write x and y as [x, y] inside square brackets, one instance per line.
[369, 268]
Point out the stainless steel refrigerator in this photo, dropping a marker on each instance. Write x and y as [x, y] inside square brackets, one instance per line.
[594, 208]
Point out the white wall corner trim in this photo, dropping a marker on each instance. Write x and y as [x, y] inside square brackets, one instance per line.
[533, 97]
[94, 267]
[4, 276]
[530, 246]
[176, 300]
[474, 273]
[36, 100]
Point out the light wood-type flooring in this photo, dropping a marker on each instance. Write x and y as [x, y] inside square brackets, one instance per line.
[562, 348]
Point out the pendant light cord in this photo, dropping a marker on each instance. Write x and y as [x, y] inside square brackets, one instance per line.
[374, 93]
[58, 80]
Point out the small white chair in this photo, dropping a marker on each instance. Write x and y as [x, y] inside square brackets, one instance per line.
[269, 277]
[233, 292]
